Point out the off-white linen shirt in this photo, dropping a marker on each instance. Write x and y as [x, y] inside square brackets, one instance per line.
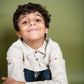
[49, 55]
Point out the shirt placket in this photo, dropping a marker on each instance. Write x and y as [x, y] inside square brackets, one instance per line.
[36, 55]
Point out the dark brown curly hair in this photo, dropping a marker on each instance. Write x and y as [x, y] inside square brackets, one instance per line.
[28, 8]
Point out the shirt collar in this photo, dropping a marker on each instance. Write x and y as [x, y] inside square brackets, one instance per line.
[41, 50]
[28, 49]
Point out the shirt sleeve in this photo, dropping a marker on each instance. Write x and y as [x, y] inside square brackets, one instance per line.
[57, 67]
[15, 64]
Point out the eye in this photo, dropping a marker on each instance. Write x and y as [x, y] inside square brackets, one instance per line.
[38, 20]
[25, 22]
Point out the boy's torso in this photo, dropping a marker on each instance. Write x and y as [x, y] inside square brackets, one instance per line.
[35, 60]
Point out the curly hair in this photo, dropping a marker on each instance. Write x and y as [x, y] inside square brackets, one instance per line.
[28, 8]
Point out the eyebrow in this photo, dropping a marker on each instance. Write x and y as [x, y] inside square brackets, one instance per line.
[34, 15]
[22, 17]
[38, 15]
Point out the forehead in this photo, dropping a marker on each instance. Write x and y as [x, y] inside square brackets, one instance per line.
[32, 14]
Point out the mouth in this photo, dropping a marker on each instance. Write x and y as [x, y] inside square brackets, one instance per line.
[33, 30]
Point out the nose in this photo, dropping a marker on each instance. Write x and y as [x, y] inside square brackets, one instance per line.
[32, 23]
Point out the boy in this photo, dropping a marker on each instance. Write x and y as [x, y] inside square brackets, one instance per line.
[33, 58]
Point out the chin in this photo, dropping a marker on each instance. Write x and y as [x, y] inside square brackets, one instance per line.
[36, 38]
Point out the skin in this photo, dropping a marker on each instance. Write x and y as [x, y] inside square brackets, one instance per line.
[10, 81]
[32, 29]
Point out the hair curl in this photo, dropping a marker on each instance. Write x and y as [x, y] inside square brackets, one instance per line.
[28, 8]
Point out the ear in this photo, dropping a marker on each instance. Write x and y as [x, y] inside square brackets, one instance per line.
[46, 30]
[18, 34]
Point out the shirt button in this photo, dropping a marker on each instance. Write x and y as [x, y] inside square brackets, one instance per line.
[37, 59]
[35, 51]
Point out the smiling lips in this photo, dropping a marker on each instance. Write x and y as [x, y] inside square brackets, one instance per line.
[33, 30]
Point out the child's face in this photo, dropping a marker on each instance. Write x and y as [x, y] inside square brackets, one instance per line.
[31, 26]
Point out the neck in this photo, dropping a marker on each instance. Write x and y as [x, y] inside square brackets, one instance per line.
[35, 44]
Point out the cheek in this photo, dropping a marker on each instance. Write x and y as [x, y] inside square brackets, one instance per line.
[22, 31]
[42, 26]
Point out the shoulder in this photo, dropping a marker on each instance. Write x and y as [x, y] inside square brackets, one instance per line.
[15, 53]
[53, 48]
[16, 44]
[15, 48]
[51, 43]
